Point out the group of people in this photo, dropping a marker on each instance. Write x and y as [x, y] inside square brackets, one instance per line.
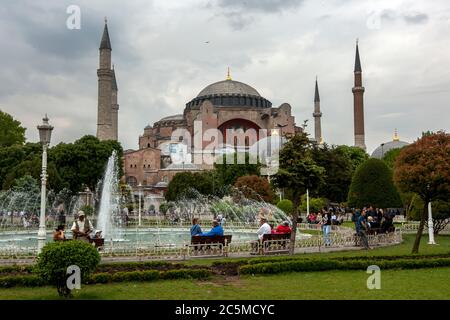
[268, 228]
[370, 220]
[337, 216]
[217, 228]
[82, 229]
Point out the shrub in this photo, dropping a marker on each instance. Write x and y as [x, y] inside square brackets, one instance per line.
[55, 257]
[372, 184]
[186, 274]
[285, 205]
[19, 280]
[329, 264]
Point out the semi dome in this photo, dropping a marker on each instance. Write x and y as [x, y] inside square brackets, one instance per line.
[229, 87]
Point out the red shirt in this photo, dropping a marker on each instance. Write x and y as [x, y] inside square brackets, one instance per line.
[283, 229]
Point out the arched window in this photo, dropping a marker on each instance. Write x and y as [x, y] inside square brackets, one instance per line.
[132, 181]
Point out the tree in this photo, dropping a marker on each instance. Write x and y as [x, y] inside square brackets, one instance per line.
[83, 162]
[26, 184]
[56, 257]
[184, 182]
[285, 205]
[298, 172]
[11, 157]
[315, 204]
[423, 167]
[390, 156]
[372, 184]
[338, 172]
[11, 131]
[440, 211]
[356, 155]
[228, 173]
[254, 187]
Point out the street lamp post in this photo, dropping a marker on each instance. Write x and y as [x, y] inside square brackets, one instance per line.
[140, 188]
[45, 133]
[382, 150]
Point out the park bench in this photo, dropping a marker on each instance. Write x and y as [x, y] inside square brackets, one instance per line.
[273, 243]
[209, 246]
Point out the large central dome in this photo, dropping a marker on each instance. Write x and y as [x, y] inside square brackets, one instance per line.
[229, 87]
[230, 93]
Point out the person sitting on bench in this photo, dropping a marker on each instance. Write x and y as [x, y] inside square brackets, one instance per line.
[264, 228]
[97, 235]
[284, 228]
[195, 229]
[58, 234]
[216, 230]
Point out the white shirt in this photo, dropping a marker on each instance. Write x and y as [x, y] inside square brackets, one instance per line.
[81, 225]
[264, 229]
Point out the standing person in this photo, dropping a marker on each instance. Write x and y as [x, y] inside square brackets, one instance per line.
[362, 228]
[355, 216]
[221, 219]
[326, 227]
[195, 229]
[82, 227]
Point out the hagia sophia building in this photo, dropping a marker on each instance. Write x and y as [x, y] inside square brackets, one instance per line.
[223, 105]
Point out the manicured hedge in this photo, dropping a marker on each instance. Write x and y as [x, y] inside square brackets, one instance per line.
[105, 277]
[134, 265]
[19, 280]
[186, 274]
[329, 264]
[16, 269]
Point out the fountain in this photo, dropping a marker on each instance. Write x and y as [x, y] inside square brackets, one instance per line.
[110, 201]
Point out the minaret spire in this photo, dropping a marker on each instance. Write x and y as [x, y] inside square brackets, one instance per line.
[228, 74]
[357, 59]
[358, 102]
[105, 43]
[317, 115]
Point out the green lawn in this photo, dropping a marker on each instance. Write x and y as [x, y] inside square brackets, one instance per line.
[395, 284]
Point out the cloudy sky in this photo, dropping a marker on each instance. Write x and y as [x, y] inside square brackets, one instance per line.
[166, 51]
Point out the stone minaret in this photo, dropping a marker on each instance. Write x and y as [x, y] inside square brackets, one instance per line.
[114, 106]
[358, 103]
[105, 76]
[317, 116]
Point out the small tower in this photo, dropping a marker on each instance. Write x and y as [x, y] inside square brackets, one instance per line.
[114, 106]
[105, 76]
[358, 103]
[317, 116]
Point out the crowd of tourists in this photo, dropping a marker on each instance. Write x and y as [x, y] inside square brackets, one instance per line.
[372, 221]
[320, 217]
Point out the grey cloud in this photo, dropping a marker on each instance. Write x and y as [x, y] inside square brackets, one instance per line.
[416, 18]
[268, 6]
